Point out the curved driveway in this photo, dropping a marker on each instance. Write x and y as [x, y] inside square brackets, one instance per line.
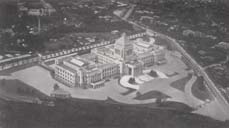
[188, 91]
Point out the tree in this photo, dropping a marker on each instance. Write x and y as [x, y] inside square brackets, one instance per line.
[153, 73]
[56, 86]
[131, 80]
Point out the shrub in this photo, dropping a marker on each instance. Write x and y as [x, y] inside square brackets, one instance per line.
[56, 86]
[153, 73]
[132, 80]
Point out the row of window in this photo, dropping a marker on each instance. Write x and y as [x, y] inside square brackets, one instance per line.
[95, 78]
[66, 79]
[66, 75]
[110, 72]
[61, 71]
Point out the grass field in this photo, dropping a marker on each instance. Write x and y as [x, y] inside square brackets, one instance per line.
[199, 90]
[7, 72]
[128, 92]
[18, 88]
[151, 95]
[180, 84]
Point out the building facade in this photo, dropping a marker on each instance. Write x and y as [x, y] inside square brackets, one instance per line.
[124, 57]
[82, 72]
[131, 55]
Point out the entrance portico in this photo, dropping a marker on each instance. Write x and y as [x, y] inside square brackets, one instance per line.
[134, 68]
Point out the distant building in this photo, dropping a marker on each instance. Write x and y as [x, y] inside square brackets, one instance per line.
[7, 63]
[48, 9]
[35, 12]
[36, 8]
[40, 11]
[125, 57]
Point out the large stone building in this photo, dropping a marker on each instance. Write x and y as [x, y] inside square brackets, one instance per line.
[131, 56]
[83, 70]
[124, 57]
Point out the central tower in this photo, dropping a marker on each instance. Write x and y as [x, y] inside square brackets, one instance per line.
[123, 48]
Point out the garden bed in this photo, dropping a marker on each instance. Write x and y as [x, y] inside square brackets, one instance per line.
[151, 95]
[180, 84]
[199, 90]
[18, 88]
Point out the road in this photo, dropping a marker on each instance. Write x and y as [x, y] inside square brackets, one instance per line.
[188, 91]
[129, 12]
[223, 103]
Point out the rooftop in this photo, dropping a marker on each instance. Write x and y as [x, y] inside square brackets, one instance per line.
[88, 56]
[123, 40]
[101, 66]
[15, 58]
[134, 62]
[145, 54]
[61, 64]
[77, 62]
[143, 44]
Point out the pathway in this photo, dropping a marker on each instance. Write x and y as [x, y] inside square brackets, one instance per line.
[188, 90]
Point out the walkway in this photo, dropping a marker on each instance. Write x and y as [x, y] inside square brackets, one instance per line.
[188, 90]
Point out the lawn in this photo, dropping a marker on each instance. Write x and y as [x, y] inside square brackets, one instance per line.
[36, 77]
[166, 105]
[180, 84]
[7, 72]
[199, 90]
[151, 95]
[18, 88]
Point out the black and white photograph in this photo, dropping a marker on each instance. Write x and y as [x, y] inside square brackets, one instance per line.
[114, 63]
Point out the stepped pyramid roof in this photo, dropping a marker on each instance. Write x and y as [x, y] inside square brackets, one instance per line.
[123, 41]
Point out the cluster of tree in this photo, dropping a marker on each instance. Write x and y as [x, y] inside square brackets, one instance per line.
[132, 80]
[153, 73]
[220, 76]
